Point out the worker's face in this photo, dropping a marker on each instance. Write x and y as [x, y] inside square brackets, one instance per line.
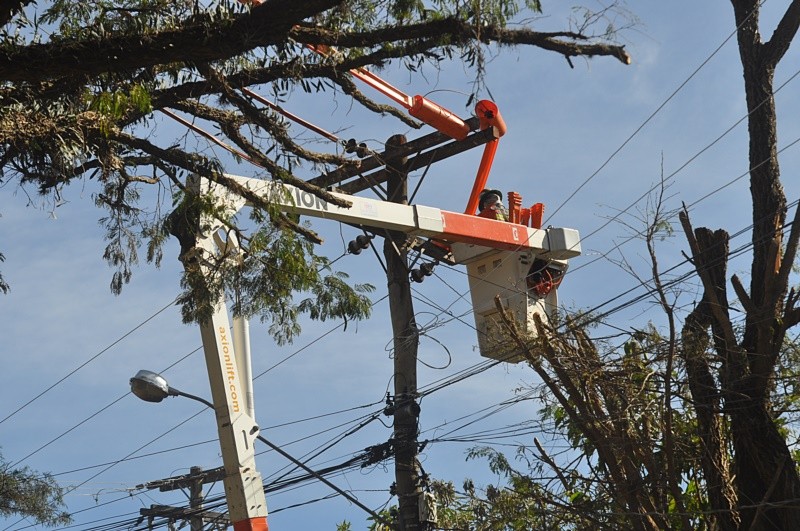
[493, 202]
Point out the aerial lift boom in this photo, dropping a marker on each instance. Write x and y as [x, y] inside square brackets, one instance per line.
[515, 259]
[501, 246]
[441, 119]
[415, 220]
[228, 364]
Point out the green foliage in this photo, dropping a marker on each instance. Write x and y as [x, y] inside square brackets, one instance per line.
[388, 515]
[275, 266]
[25, 493]
[116, 105]
[76, 20]
[610, 415]
[521, 505]
[65, 127]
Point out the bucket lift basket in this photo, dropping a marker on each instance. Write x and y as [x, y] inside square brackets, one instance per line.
[527, 286]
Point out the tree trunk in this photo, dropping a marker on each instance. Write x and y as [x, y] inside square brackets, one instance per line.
[712, 258]
[766, 478]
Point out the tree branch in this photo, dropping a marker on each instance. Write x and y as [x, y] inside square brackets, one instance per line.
[709, 287]
[784, 33]
[349, 88]
[459, 31]
[268, 24]
[265, 25]
[229, 124]
[789, 255]
[741, 293]
[706, 401]
[260, 118]
[10, 8]
[201, 166]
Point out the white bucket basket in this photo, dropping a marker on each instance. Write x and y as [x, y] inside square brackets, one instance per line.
[527, 286]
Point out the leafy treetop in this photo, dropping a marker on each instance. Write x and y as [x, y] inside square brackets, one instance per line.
[83, 83]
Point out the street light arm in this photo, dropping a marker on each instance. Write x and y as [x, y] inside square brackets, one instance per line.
[176, 392]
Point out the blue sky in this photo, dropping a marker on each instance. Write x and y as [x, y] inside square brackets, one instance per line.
[60, 319]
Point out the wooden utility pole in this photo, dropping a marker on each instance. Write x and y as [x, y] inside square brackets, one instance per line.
[196, 499]
[406, 410]
[197, 517]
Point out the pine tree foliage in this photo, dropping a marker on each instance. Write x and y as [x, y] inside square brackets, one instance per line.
[25, 493]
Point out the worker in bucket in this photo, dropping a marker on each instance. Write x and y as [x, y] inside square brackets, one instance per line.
[490, 205]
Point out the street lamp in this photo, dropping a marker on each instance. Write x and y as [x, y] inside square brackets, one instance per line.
[152, 387]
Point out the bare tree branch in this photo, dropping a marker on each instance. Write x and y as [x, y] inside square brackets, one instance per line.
[710, 288]
[784, 33]
[741, 293]
[790, 254]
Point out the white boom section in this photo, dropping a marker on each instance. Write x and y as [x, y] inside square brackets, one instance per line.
[231, 389]
[229, 370]
[228, 358]
[416, 220]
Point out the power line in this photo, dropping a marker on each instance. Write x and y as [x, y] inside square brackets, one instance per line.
[131, 455]
[87, 362]
[96, 413]
[693, 203]
[654, 113]
[174, 449]
[114, 463]
[684, 165]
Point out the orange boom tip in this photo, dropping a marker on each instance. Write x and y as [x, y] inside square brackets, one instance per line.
[489, 116]
[439, 117]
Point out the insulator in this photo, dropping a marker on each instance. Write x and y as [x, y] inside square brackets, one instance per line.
[362, 241]
[427, 269]
[350, 146]
[417, 275]
[362, 151]
[353, 247]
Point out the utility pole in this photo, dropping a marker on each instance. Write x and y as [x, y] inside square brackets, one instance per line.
[406, 341]
[195, 514]
[196, 499]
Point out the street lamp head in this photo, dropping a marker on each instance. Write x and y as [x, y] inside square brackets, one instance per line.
[150, 386]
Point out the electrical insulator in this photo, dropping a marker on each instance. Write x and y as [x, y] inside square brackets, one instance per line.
[425, 270]
[360, 149]
[361, 242]
[389, 409]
